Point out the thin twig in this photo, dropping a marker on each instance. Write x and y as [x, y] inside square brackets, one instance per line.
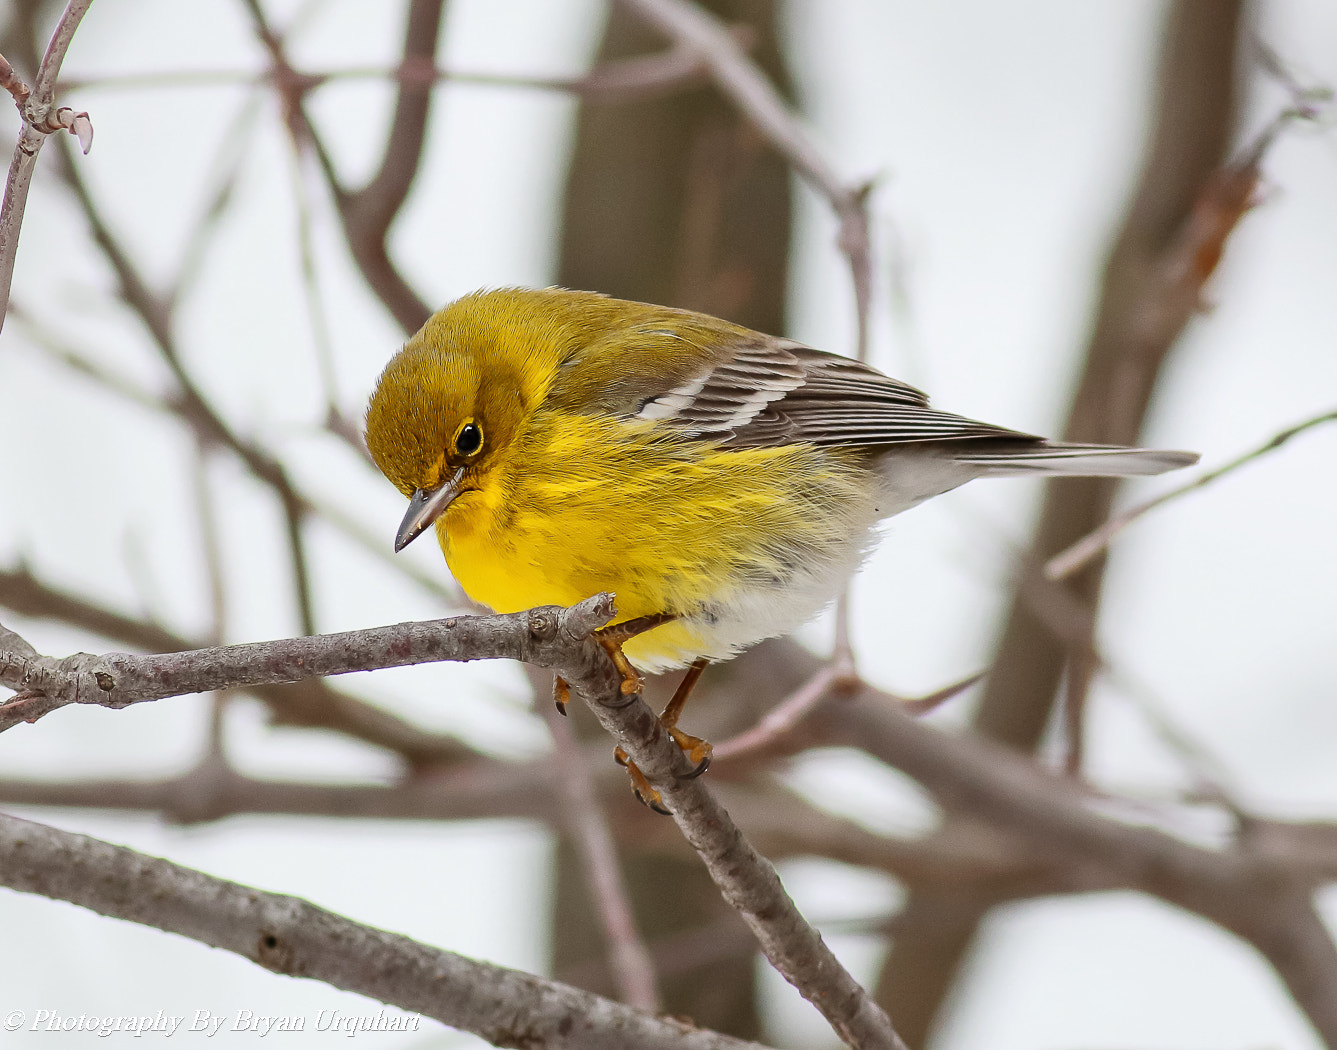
[629, 964]
[35, 107]
[779, 721]
[623, 79]
[1068, 561]
[742, 81]
[770, 732]
[321, 340]
[227, 162]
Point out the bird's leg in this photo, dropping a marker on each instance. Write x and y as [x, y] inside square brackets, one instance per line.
[612, 637]
[696, 749]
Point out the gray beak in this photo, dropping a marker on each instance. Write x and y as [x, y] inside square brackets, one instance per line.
[425, 506]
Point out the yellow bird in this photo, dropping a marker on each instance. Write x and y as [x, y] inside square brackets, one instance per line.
[723, 482]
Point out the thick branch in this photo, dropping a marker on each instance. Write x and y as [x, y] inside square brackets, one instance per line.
[749, 882]
[549, 637]
[291, 936]
[313, 703]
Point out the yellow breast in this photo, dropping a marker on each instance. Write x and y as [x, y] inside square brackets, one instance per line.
[587, 504]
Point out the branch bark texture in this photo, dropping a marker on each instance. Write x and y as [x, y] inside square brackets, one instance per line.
[291, 936]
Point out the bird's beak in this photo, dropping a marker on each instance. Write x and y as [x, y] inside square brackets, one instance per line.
[425, 506]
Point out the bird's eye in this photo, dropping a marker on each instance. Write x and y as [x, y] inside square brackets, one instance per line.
[469, 439]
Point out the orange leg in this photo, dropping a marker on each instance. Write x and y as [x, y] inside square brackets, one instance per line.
[611, 638]
[696, 749]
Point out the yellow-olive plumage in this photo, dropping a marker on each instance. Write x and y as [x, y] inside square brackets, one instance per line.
[566, 443]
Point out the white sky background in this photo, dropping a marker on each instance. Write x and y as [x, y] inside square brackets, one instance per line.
[1005, 135]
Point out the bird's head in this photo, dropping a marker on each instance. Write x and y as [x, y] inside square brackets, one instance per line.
[447, 410]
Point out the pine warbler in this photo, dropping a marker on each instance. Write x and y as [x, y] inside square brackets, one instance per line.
[565, 443]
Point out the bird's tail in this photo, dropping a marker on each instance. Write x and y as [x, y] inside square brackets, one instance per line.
[1056, 458]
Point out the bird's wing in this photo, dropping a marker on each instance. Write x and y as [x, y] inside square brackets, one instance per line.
[776, 392]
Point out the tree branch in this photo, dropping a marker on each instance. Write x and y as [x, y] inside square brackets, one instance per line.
[1079, 554]
[1144, 306]
[314, 703]
[38, 123]
[551, 637]
[291, 936]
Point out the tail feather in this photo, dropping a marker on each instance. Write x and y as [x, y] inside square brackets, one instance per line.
[1092, 461]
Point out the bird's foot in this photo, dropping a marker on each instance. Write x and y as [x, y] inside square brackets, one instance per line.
[696, 749]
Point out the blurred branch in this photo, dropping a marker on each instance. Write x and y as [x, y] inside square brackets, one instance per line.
[744, 84]
[1079, 554]
[1182, 210]
[368, 213]
[620, 80]
[628, 961]
[291, 936]
[191, 404]
[1253, 887]
[351, 529]
[39, 121]
[226, 168]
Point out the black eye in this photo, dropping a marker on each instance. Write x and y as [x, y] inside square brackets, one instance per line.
[469, 440]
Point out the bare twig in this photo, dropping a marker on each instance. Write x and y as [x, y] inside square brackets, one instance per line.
[781, 720]
[290, 936]
[1071, 559]
[769, 735]
[38, 122]
[624, 79]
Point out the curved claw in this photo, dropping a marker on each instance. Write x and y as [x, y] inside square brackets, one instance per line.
[701, 767]
[655, 802]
